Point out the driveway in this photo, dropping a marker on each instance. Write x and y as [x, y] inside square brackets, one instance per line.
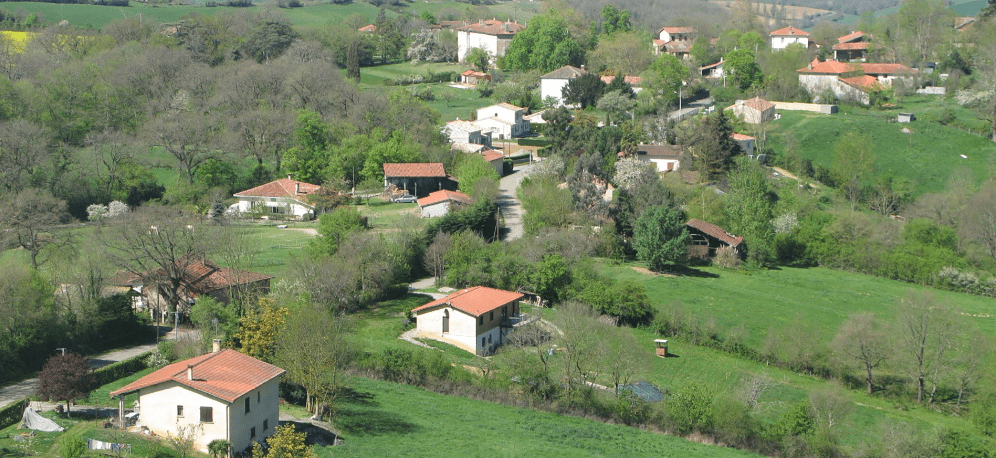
[16, 392]
[511, 207]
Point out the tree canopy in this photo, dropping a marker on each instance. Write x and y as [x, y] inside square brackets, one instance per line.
[545, 45]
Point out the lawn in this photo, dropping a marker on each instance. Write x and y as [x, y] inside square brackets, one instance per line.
[463, 103]
[384, 215]
[927, 156]
[387, 419]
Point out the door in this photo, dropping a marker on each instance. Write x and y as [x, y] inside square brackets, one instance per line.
[446, 321]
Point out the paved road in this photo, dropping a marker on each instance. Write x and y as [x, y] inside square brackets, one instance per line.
[511, 208]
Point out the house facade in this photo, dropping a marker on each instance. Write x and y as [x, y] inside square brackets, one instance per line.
[712, 70]
[440, 203]
[746, 143]
[492, 36]
[476, 319]
[754, 111]
[667, 158]
[416, 178]
[467, 132]
[676, 41]
[781, 38]
[552, 84]
[286, 196]
[851, 81]
[503, 120]
[221, 395]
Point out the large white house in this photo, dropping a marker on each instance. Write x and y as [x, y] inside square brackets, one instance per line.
[285, 196]
[221, 395]
[851, 81]
[467, 132]
[781, 38]
[503, 120]
[475, 319]
[552, 84]
[492, 36]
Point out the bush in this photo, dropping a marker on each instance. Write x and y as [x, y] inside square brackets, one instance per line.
[71, 446]
[121, 369]
[727, 257]
[688, 410]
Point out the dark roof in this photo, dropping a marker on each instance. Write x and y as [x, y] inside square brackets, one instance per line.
[715, 232]
[227, 375]
[565, 73]
[659, 150]
[494, 27]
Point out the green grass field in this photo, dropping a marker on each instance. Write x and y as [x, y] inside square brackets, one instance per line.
[927, 156]
[387, 419]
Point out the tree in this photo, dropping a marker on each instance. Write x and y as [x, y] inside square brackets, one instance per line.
[979, 218]
[660, 237]
[480, 58]
[584, 90]
[748, 209]
[545, 45]
[923, 337]
[582, 347]
[713, 146]
[286, 443]
[259, 330]
[28, 217]
[334, 228]
[614, 20]
[66, 377]
[214, 320]
[435, 254]
[188, 137]
[745, 71]
[625, 53]
[313, 347]
[664, 80]
[853, 163]
[473, 169]
[269, 40]
[616, 106]
[218, 448]
[860, 340]
[24, 151]
[185, 438]
[353, 61]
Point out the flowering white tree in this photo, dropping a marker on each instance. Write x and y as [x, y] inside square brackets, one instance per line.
[631, 171]
[116, 208]
[96, 212]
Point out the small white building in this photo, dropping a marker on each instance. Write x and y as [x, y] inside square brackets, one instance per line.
[552, 84]
[781, 38]
[753, 111]
[746, 143]
[285, 196]
[503, 120]
[459, 131]
[666, 158]
[475, 319]
[221, 395]
[492, 36]
[496, 159]
[712, 70]
[440, 203]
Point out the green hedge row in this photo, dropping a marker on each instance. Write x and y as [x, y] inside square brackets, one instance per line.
[533, 142]
[121, 369]
[12, 414]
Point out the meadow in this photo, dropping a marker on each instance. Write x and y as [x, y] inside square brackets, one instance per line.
[927, 156]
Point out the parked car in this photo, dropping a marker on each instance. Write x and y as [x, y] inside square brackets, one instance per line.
[406, 199]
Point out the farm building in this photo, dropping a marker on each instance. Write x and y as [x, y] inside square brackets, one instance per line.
[440, 203]
[415, 177]
[475, 319]
[472, 77]
[676, 41]
[708, 237]
[851, 47]
[754, 111]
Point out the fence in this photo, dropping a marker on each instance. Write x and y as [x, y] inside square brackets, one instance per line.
[814, 107]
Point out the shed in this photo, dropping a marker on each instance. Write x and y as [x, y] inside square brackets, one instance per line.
[708, 237]
[661, 345]
[906, 117]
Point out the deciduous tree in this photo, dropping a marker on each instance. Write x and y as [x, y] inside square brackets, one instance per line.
[545, 45]
[28, 217]
[313, 346]
[861, 340]
[65, 377]
[259, 330]
[584, 90]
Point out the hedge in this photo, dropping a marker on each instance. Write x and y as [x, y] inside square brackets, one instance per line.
[533, 142]
[12, 414]
[121, 369]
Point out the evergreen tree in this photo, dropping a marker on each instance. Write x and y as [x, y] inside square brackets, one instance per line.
[660, 237]
[714, 147]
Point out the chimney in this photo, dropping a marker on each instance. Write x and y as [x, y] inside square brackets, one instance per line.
[215, 345]
[190, 372]
[297, 188]
[289, 177]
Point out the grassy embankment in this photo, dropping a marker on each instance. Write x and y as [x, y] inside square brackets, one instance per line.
[927, 156]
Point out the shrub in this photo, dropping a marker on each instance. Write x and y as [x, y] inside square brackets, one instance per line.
[71, 446]
[727, 257]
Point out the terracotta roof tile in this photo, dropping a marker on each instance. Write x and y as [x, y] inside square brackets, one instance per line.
[494, 27]
[368, 28]
[759, 104]
[630, 80]
[492, 155]
[203, 276]
[740, 137]
[717, 64]
[851, 37]
[415, 170]
[284, 187]
[886, 69]
[443, 196]
[715, 231]
[863, 82]
[829, 67]
[676, 30]
[227, 375]
[852, 46]
[789, 32]
[476, 301]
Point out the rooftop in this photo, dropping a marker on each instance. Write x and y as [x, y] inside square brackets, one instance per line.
[475, 301]
[741, 137]
[492, 155]
[759, 104]
[630, 80]
[284, 187]
[853, 36]
[715, 231]
[851, 46]
[494, 27]
[443, 196]
[789, 32]
[227, 375]
[565, 73]
[659, 150]
[676, 30]
[415, 170]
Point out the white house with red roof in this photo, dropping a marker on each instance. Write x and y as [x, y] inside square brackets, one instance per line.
[746, 143]
[418, 178]
[221, 395]
[676, 41]
[492, 36]
[285, 196]
[496, 159]
[781, 38]
[851, 81]
[475, 319]
[440, 203]
[503, 120]
[753, 111]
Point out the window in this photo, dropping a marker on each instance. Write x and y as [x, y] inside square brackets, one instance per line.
[179, 411]
[257, 397]
[247, 404]
[207, 415]
[446, 321]
[491, 315]
[483, 341]
[480, 320]
[489, 339]
[266, 424]
[252, 432]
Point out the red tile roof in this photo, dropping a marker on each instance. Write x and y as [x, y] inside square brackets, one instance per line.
[740, 137]
[863, 82]
[368, 28]
[853, 46]
[284, 187]
[494, 27]
[851, 37]
[676, 30]
[492, 155]
[759, 104]
[789, 31]
[202, 276]
[630, 80]
[886, 69]
[476, 301]
[717, 64]
[715, 231]
[833, 67]
[227, 375]
[443, 196]
[415, 170]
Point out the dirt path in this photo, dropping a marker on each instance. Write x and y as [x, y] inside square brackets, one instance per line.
[511, 208]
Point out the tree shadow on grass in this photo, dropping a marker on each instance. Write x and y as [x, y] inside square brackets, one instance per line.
[374, 423]
[693, 272]
[359, 398]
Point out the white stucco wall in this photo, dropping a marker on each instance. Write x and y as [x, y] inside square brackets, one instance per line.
[157, 411]
[435, 210]
[469, 40]
[463, 328]
[264, 406]
[553, 88]
[817, 84]
[782, 42]
[284, 206]
[662, 164]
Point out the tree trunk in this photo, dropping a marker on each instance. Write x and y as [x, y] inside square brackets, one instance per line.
[871, 385]
[919, 389]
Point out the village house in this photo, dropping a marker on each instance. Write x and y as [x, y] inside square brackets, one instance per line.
[781, 38]
[496, 159]
[676, 41]
[467, 132]
[220, 395]
[503, 120]
[754, 111]
[708, 237]
[415, 177]
[492, 36]
[440, 203]
[369, 28]
[666, 158]
[285, 197]
[851, 81]
[851, 47]
[634, 82]
[473, 77]
[476, 319]
[552, 84]
[746, 143]
[712, 70]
